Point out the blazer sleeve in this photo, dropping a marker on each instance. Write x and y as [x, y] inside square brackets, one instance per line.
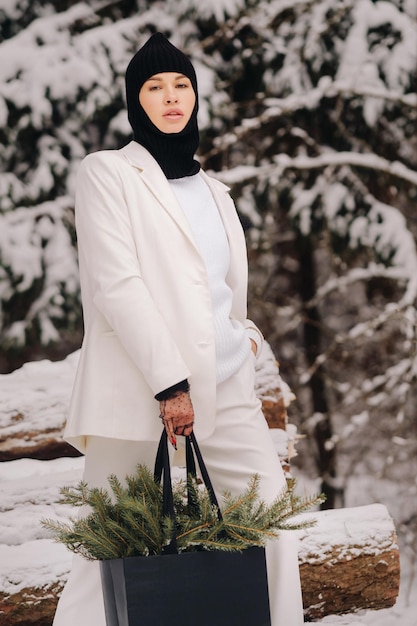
[111, 267]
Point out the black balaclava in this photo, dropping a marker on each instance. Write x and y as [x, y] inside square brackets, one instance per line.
[173, 151]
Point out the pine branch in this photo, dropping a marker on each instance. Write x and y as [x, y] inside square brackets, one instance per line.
[75, 496]
[128, 520]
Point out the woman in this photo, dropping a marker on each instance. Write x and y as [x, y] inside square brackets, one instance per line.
[163, 273]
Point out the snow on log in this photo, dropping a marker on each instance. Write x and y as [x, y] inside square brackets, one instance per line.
[33, 406]
[349, 561]
[34, 401]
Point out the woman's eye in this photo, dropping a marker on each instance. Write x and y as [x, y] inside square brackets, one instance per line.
[182, 85]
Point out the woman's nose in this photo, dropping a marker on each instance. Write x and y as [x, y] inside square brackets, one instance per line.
[170, 96]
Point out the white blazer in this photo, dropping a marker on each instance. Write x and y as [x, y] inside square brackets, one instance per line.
[147, 311]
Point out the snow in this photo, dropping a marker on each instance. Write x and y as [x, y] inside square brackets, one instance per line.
[29, 490]
[40, 392]
[348, 533]
[52, 68]
[363, 67]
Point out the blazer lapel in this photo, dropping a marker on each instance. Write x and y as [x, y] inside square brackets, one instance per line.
[157, 183]
[233, 228]
[153, 177]
[219, 190]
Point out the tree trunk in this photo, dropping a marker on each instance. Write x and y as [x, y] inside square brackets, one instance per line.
[326, 455]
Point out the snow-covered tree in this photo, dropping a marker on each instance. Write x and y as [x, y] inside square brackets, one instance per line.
[318, 134]
[308, 111]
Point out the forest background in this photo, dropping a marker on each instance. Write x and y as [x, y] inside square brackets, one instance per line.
[308, 111]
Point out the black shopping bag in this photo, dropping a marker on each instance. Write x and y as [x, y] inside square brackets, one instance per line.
[189, 589]
[203, 588]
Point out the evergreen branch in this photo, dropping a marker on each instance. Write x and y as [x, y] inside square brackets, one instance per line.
[193, 529]
[220, 543]
[128, 520]
[74, 496]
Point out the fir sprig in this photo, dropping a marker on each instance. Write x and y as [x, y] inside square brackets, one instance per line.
[128, 519]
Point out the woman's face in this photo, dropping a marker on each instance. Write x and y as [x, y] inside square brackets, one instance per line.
[168, 99]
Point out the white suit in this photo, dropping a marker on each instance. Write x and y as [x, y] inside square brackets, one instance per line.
[148, 325]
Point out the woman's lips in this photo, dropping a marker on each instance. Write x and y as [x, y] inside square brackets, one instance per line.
[173, 114]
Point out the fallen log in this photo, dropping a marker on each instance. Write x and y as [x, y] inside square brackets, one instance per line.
[33, 406]
[34, 402]
[348, 561]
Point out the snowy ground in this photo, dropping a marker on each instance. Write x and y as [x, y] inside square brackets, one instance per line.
[29, 490]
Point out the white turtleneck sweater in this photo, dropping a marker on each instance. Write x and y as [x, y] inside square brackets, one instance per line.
[197, 202]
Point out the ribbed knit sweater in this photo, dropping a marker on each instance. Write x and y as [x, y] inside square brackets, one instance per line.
[197, 202]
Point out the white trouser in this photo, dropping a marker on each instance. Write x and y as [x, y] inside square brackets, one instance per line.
[239, 447]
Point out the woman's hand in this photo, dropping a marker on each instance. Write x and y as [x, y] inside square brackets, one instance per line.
[177, 414]
[253, 346]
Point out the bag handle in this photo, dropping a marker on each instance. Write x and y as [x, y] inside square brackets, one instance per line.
[163, 471]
